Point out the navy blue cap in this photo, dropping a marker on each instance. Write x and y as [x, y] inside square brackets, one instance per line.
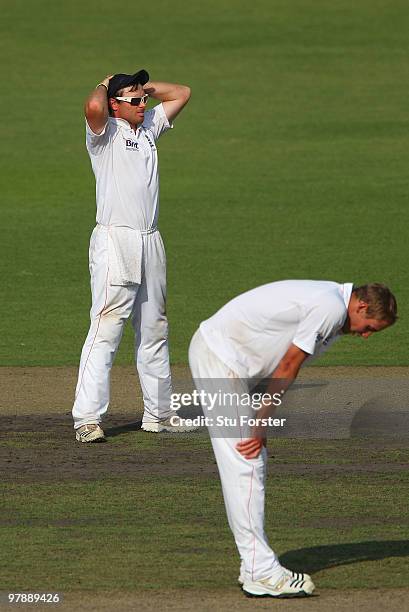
[119, 81]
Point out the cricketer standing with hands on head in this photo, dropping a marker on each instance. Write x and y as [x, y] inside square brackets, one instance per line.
[126, 255]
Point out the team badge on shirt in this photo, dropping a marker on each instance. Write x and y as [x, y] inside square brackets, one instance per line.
[320, 338]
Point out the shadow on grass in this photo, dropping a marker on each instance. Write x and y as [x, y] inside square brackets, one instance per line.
[315, 559]
[111, 432]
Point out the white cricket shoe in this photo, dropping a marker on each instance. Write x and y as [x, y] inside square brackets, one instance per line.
[90, 433]
[284, 587]
[166, 425]
[290, 574]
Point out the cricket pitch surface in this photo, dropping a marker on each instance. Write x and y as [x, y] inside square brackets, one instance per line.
[367, 407]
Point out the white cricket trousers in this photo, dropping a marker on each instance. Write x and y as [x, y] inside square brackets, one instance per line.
[243, 480]
[111, 308]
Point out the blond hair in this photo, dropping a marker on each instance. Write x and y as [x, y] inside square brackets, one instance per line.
[381, 302]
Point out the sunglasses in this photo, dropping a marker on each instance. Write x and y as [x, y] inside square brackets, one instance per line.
[134, 101]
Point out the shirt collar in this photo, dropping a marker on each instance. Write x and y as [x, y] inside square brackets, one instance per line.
[123, 123]
[346, 289]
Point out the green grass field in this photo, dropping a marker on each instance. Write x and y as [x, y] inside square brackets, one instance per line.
[325, 514]
[289, 162]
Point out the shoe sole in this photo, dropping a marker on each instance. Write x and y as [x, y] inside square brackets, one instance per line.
[281, 596]
[163, 428]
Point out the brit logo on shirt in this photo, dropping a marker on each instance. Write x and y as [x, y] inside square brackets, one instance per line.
[131, 145]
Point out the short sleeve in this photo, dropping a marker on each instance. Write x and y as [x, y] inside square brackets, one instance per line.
[320, 323]
[96, 143]
[156, 121]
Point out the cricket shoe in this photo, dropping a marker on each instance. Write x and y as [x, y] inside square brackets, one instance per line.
[167, 425]
[284, 587]
[290, 574]
[90, 433]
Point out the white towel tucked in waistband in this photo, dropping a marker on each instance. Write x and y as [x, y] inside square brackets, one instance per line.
[125, 256]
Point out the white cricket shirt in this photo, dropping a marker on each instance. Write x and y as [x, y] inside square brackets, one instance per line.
[252, 332]
[125, 166]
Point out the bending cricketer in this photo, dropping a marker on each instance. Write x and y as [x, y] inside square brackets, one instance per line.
[269, 332]
[126, 255]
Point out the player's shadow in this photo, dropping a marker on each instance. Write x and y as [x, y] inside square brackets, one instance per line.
[318, 558]
[187, 412]
[111, 432]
